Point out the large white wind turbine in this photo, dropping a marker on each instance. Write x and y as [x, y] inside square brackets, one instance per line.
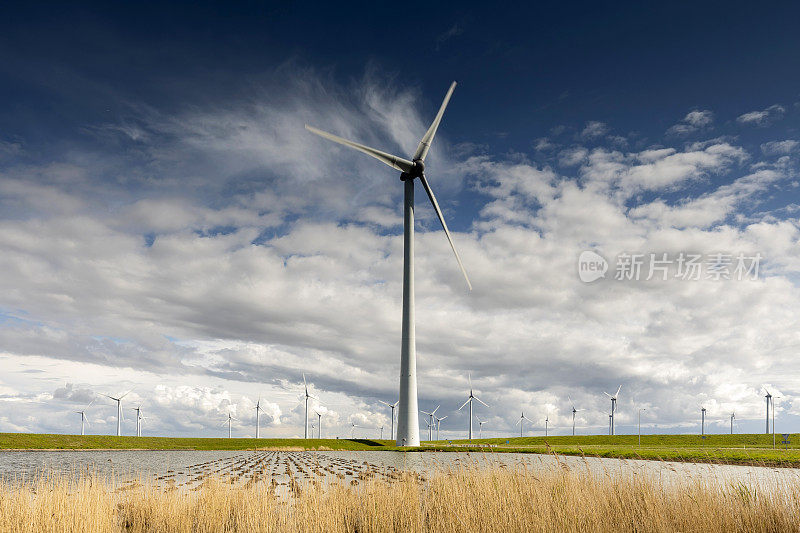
[120, 416]
[84, 420]
[613, 408]
[469, 401]
[521, 421]
[307, 396]
[408, 423]
[228, 421]
[392, 407]
[139, 419]
[431, 423]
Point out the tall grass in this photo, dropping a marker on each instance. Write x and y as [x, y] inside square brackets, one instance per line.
[468, 499]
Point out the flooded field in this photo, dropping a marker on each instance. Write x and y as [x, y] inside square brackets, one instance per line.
[293, 470]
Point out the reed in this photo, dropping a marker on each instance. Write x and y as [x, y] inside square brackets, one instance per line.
[467, 499]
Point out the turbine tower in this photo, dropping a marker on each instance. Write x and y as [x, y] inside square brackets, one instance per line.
[703, 421]
[733, 417]
[305, 434]
[769, 398]
[319, 424]
[120, 416]
[469, 401]
[84, 420]
[258, 417]
[521, 423]
[546, 422]
[431, 424]
[392, 407]
[408, 423]
[613, 408]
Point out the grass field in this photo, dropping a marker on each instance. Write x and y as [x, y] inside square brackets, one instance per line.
[742, 449]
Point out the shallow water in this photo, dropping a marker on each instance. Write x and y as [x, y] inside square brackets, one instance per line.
[285, 470]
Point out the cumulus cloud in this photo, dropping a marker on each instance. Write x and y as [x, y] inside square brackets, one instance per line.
[594, 129]
[693, 121]
[764, 117]
[780, 148]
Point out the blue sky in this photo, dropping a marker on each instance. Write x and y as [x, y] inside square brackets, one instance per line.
[169, 226]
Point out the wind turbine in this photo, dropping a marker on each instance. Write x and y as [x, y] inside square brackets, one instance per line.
[139, 419]
[319, 424]
[573, 414]
[258, 418]
[521, 420]
[84, 420]
[703, 422]
[305, 434]
[733, 417]
[391, 406]
[430, 423]
[120, 416]
[408, 423]
[613, 408]
[769, 398]
[546, 422]
[480, 427]
[469, 401]
[353, 429]
[438, 425]
[228, 421]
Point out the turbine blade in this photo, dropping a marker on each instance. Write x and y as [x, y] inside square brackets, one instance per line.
[384, 403]
[518, 422]
[618, 389]
[393, 161]
[130, 391]
[484, 403]
[607, 394]
[427, 139]
[437, 408]
[395, 404]
[465, 403]
[443, 418]
[304, 383]
[435, 204]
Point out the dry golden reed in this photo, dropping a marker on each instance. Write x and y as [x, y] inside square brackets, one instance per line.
[465, 500]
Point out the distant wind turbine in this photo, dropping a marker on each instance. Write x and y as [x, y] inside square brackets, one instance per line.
[769, 398]
[258, 418]
[228, 421]
[391, 406]
[353, 429]
[319, 424]
[305, 434]
[546, 422]
[84, 420]
[438, 425]
[733, 417]
[480, 427]
[120, 416]
[573, 414]
[613, 406]
[521, 423]
[139, 419]
[703, 421]
[431, 424]
[469, 401]
[408, 423]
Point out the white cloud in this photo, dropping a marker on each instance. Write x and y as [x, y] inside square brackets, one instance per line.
[594, 129]
[763, 117]
[785, 147]
[693, 121]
